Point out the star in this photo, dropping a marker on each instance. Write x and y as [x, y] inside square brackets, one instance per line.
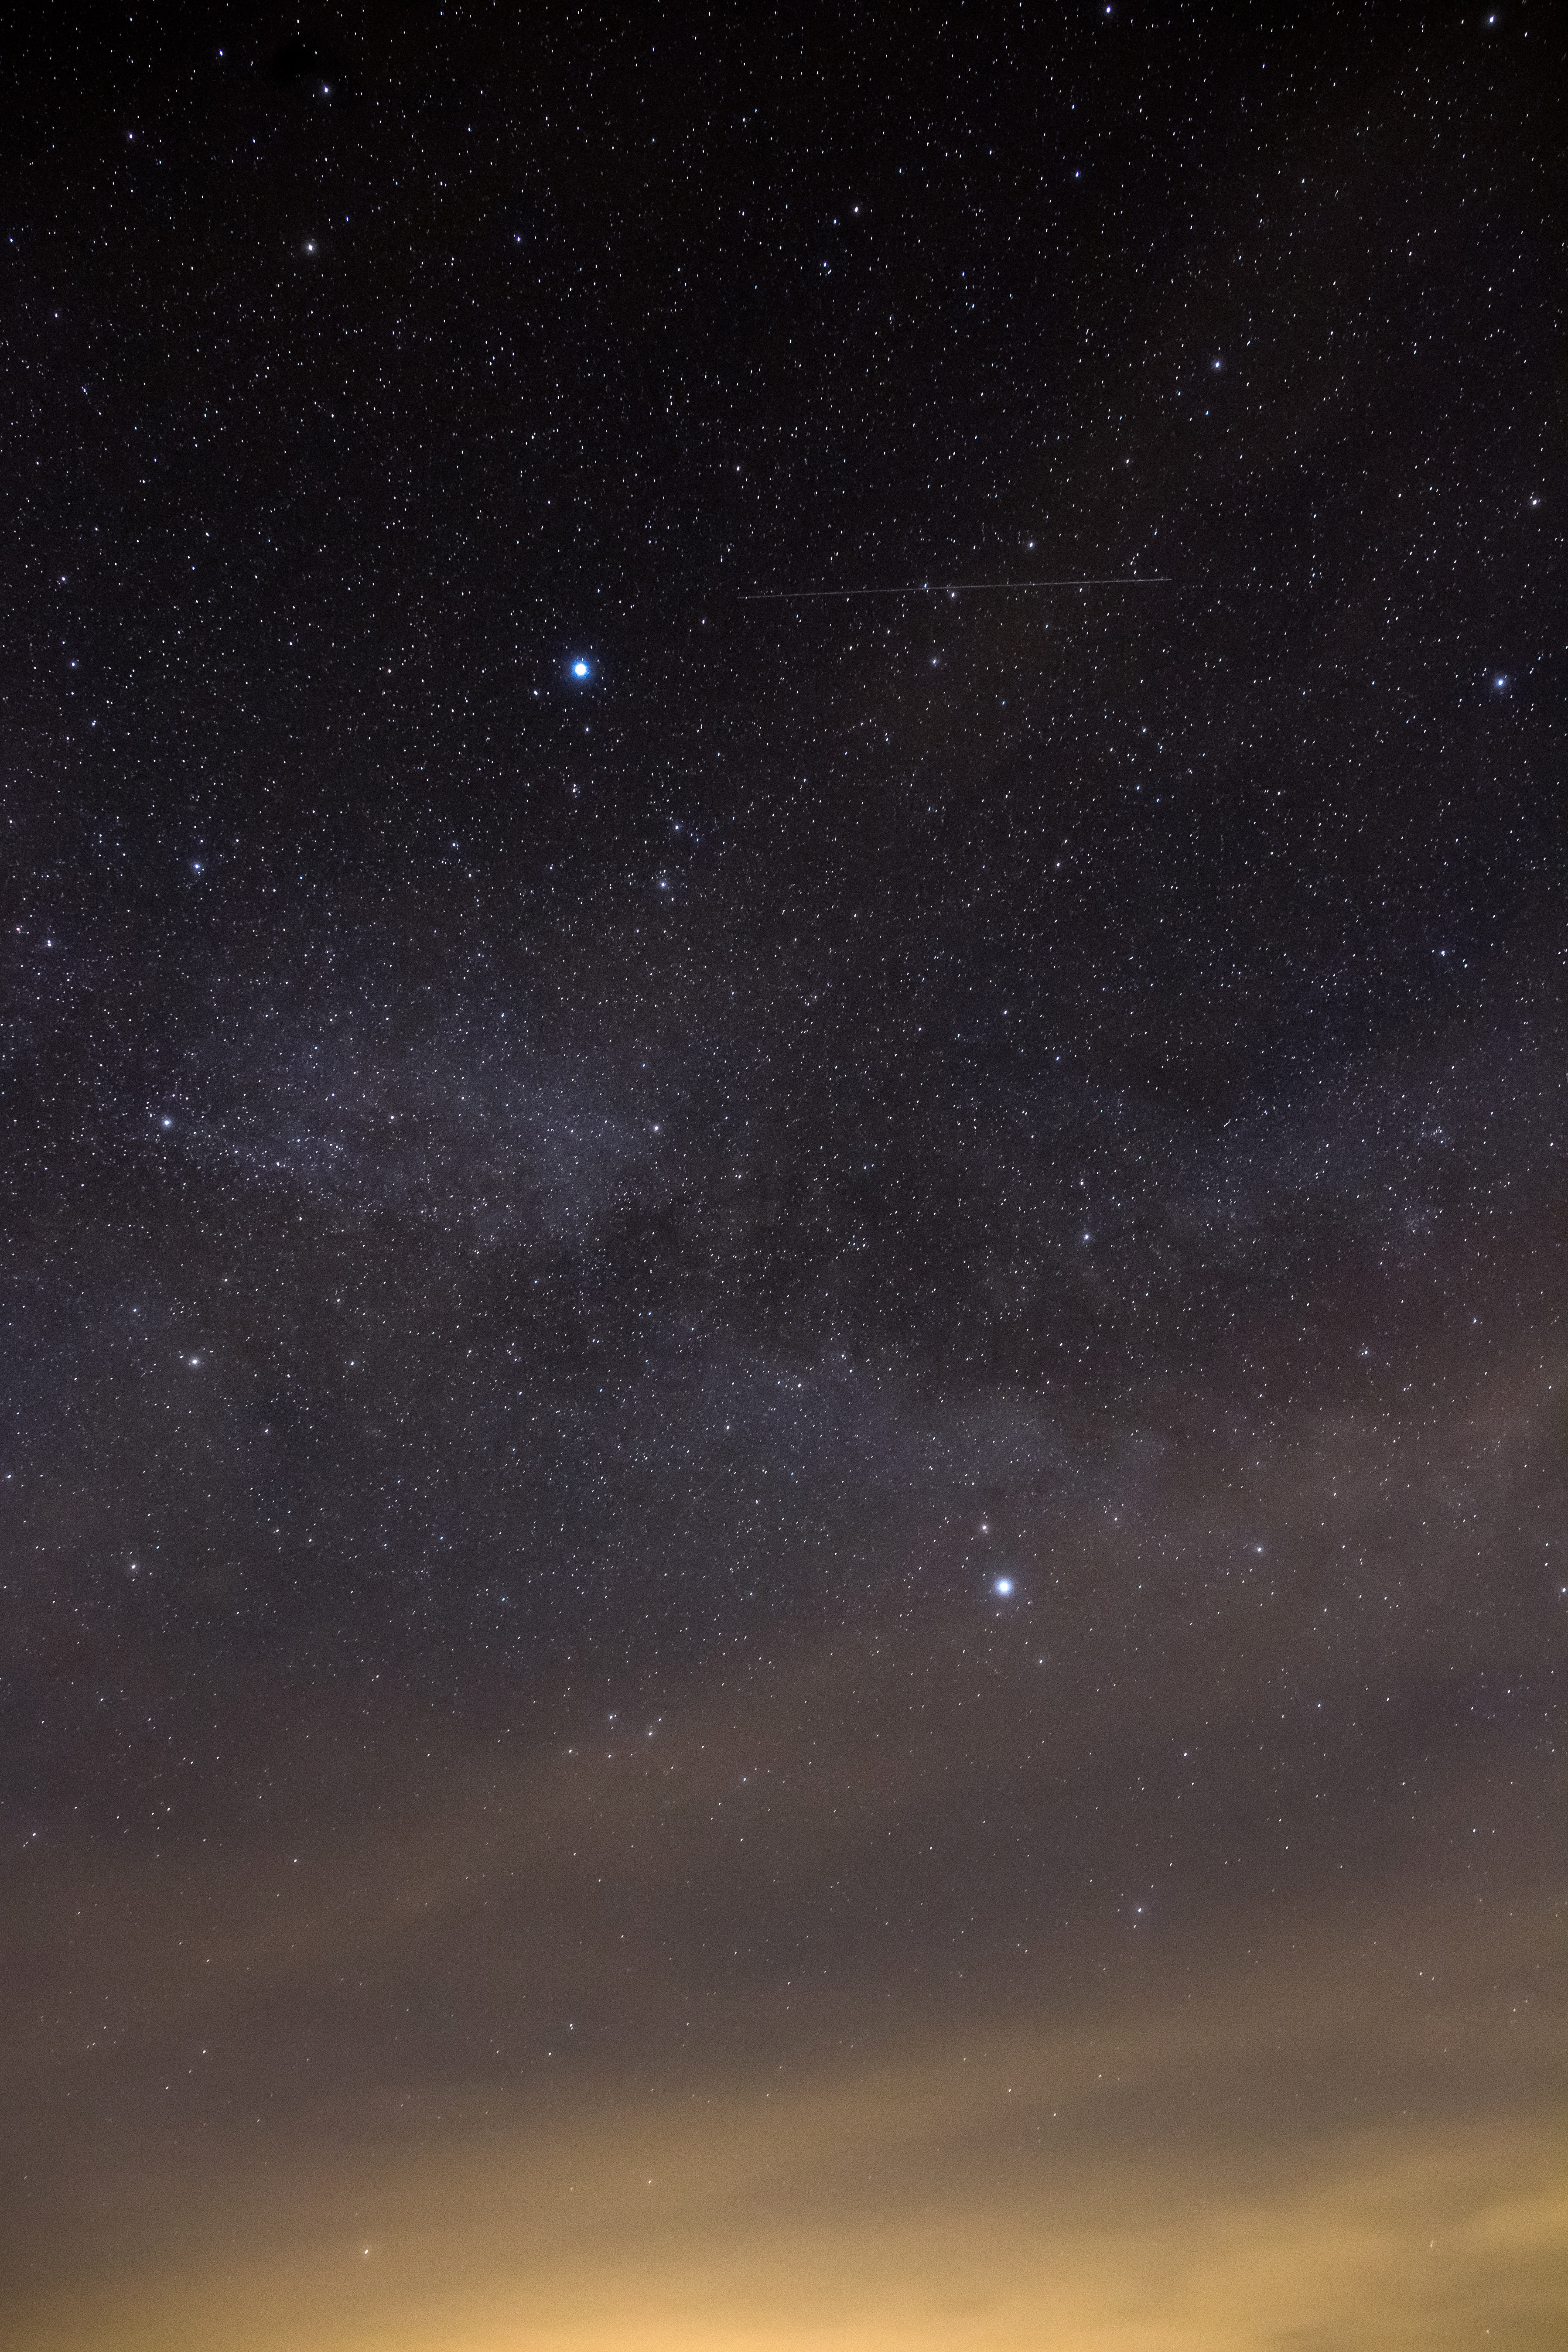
[1140, 906]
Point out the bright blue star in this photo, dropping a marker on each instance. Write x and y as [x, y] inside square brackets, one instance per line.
[1003, 1587]
[580, 668]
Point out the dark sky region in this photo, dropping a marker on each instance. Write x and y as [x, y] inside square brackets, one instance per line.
[782, 1516]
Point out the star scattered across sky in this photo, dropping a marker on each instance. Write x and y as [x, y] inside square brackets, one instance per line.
[782, 1487]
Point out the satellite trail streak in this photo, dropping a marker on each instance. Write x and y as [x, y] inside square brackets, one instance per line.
[948, 588]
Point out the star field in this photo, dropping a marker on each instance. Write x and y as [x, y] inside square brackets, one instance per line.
[783, 1476]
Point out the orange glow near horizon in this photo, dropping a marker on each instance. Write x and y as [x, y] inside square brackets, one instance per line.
[1352, 2139]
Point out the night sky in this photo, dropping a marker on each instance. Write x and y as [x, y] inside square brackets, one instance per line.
[784, 1562]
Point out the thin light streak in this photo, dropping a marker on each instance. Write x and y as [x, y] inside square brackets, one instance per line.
[950, 588]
